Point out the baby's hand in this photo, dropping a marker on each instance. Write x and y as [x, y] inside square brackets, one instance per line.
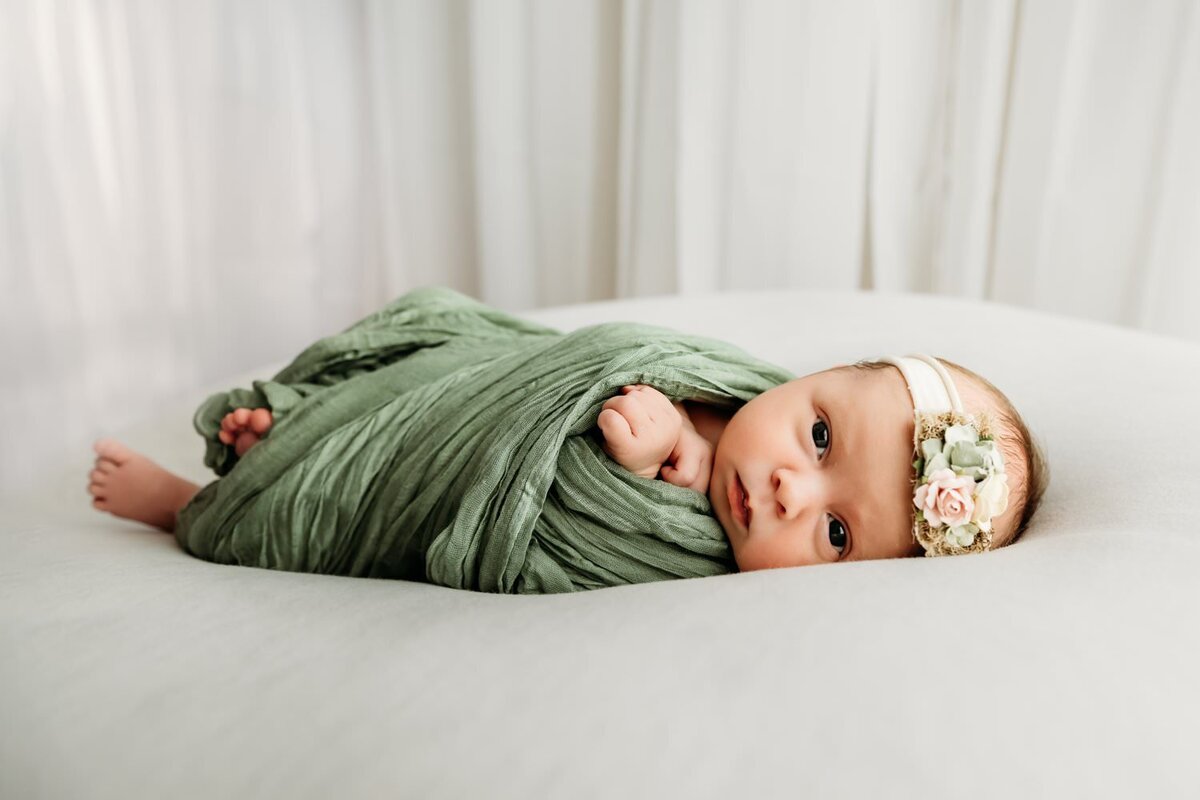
[641, 428]
[691, 462]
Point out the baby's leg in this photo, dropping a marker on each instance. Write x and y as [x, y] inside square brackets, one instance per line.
[129, 485]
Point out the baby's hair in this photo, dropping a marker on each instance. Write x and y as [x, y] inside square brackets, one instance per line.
[1015, 441]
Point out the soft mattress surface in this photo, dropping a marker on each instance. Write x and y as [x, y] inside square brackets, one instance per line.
[1065, 665]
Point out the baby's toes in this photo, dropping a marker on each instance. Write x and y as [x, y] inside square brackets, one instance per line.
[229, 424]
[225, 436]
[241, 416]
[245, 441]
[112, 450]
[96, 490]
[260, 420]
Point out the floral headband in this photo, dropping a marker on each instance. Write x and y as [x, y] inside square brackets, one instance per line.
[960, 482]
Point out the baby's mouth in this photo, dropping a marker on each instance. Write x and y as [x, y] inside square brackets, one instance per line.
[739, 503]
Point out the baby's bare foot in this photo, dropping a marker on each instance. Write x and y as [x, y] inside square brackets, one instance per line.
[244, 427]
[129, 485]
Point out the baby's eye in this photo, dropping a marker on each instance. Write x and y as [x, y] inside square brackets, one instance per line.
[820, 434]
[837, 535]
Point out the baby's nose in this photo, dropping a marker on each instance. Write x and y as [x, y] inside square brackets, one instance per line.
[794, 492]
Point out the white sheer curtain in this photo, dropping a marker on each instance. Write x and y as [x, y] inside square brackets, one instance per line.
[190, 189]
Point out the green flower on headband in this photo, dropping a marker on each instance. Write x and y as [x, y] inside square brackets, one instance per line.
[932, 456]
[962, 535]
[961, 451]
[961, 433]
[966, 458]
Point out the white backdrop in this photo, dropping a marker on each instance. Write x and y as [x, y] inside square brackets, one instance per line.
[190, 189]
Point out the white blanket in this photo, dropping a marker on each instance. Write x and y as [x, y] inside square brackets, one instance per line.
[1065, 665]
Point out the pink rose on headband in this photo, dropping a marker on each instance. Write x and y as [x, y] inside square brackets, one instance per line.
[946, 498]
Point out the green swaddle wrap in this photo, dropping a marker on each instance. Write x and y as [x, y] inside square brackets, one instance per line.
[442, 440]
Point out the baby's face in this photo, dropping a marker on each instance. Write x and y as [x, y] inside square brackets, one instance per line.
[826, 465]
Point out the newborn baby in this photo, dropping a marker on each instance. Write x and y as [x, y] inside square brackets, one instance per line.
[442, 440]
[820, 469]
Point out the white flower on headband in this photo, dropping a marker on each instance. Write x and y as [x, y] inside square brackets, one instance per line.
[991, 498]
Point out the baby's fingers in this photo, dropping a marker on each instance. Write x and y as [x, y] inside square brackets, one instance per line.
[630, 407]
[614, 426]
[692, 464]
[674, 477]
[684, 473]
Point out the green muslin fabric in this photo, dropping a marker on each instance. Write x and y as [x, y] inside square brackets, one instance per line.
[442, 440]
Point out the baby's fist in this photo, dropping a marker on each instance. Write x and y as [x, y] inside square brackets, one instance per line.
[641, 428]
[691, 462]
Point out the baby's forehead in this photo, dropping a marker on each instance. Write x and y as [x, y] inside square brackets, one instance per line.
[862, 385]
[874, 398]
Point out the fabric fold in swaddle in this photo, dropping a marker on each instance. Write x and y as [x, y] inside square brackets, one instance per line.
[440, 439]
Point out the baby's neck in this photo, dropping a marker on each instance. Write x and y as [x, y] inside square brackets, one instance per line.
[709, 421]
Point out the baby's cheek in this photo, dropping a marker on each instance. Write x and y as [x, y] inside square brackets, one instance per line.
[772, 552]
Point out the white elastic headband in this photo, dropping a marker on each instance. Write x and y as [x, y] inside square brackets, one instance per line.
[960, 482]
[929, 383]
